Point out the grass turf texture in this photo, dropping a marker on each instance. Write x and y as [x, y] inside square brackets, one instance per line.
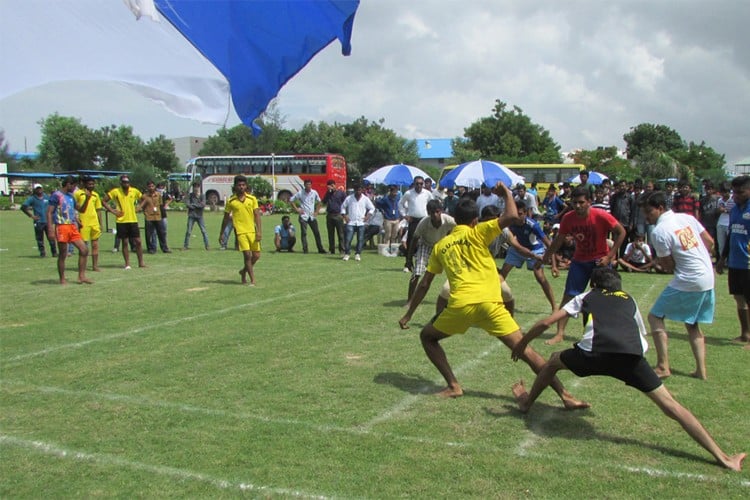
[175, 380]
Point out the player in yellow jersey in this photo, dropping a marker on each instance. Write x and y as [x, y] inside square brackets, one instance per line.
[475, 298]
[245, 215]
[89, 212]
[126, 197]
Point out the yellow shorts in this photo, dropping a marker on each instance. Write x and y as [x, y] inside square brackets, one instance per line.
[246, 241]
[90, 233]
[445, 292]
[492, 317]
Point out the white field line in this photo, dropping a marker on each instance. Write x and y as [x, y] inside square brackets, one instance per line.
[159, 470]
[483, 447]
[172, 322]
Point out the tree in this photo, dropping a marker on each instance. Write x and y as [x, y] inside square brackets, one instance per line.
[117, 148]
[703, 161]
[646, 136]
[509, 136]
[66, 144]
[159, 152]
[605, 160]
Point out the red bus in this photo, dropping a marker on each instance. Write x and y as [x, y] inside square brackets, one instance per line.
[286, 173]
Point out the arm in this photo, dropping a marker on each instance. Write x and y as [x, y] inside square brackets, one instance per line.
[708, 241]
[108, 208]
[510, 216]
[417, 298]
[257, 215]
[51, 222]
[29, 212]
[224, 223]
[536, 330]
[619, 233]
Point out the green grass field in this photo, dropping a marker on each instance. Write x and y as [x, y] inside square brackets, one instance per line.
[176, 381]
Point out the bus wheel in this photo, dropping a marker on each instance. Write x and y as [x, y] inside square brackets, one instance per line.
[212, 198]
[284, 196]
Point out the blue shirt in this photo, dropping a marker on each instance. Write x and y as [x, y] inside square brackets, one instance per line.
[552, 207]
[389, 206]
[529, 235]
[39, 206]
[739, 237]
[333, 201]
[65, 207]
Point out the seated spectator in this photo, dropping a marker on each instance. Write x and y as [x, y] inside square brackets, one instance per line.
[284, 238]
[637, 256]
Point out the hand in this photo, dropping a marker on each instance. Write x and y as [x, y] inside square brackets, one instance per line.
[119, 213]
[35, 218]
[555, 272]
[517, 352]
[720, 266]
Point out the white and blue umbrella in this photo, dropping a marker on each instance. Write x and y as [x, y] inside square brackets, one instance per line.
[399, 174]
[475, 173]
[594, 178]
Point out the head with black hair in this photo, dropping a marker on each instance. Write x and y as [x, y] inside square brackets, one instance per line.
[606, 278]
[466, 211]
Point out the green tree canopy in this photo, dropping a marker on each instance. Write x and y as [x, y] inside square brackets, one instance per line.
[605, 159]
[66, 144]
[508, 136]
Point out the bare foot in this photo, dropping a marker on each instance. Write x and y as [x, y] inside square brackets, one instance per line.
[95, 269]
[555, 340]
[453, 391]
[243, 275]
[522, 397]
[734, 462]
[86, 281]
[741, 339]
[747, 347]
[698, 376]
[63, 282]
[142, 265]
[661, 372]
[572, 403]
[403, 323]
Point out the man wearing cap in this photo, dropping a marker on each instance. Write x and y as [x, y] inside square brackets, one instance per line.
[126, 198]
[63, 226]
[35, 207]
[333, 199]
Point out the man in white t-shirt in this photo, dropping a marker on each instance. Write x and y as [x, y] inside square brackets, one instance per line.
[637, 256]
[684, 246]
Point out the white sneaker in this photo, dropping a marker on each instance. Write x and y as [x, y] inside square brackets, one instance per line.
[406, 270]
[127, 268]
[345, 257]
[357, 257]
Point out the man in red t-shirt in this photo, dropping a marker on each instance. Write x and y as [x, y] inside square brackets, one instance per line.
[591, 228]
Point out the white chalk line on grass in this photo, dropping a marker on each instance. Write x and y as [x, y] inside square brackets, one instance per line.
[483, 447]
[172, 322]
[160, 470]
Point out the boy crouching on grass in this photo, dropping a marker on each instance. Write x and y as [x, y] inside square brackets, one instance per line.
[613, 344]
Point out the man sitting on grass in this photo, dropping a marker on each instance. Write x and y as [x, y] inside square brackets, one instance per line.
[475, 297]
[613, 345]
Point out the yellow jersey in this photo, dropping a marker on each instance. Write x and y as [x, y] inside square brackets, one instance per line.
[465, 257]
[126, 203]
[89, 218]
[243, 213]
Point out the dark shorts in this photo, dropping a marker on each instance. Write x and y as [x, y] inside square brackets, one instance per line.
[579, 276]
[127, 230]
[739, 282]
[632, 369]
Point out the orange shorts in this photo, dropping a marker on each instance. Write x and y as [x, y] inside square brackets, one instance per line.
[67, 233]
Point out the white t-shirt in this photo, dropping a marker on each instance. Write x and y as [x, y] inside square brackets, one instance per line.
[429, 234]
[678, 235]
[638, 256]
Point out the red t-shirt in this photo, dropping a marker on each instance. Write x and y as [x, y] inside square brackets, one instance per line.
[590, 233]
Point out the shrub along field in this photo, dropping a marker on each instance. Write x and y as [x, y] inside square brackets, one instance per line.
[176, 380]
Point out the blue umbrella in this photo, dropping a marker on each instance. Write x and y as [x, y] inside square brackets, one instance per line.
[399, 174]
[594, 178]
[475, 173]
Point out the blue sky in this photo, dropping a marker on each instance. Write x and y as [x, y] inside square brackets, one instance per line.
[586, 71]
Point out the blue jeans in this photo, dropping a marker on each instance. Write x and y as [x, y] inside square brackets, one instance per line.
[201, 224]
[349, 236]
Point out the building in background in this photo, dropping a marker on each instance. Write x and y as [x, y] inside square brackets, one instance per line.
[187, 148]
[435, 152]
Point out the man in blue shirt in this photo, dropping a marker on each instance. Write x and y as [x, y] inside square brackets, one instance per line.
[388, 206]
[528, 245]
[736, 255]
[284, 238]
[35, 207]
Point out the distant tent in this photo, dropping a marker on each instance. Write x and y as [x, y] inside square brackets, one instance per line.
[211, 50]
